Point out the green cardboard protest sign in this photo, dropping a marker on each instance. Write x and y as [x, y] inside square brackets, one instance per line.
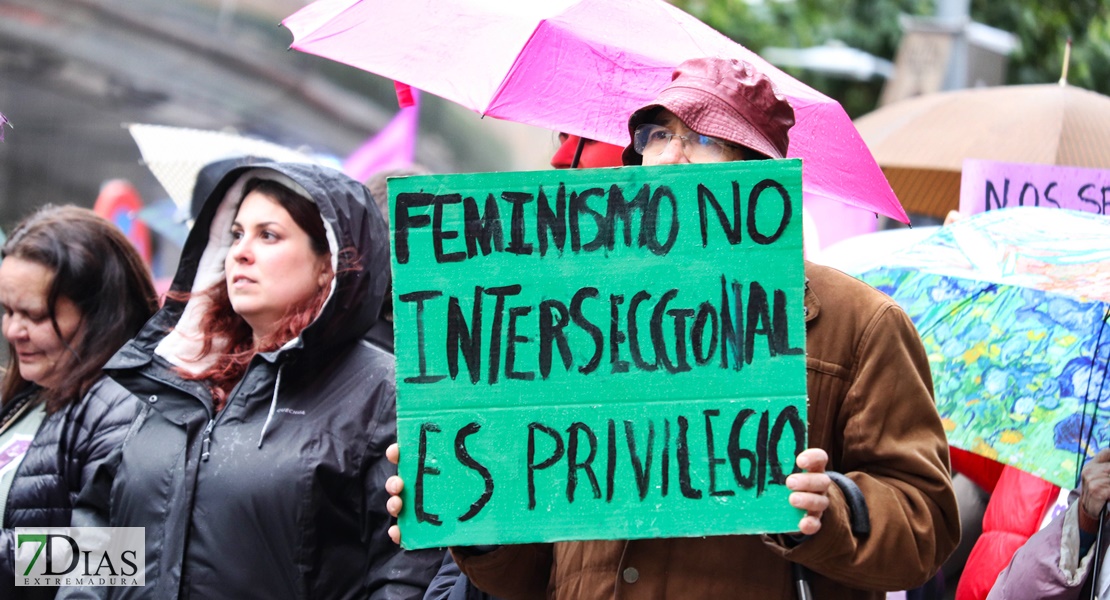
[599, 353]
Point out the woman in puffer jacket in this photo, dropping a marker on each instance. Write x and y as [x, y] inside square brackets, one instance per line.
[73, 290]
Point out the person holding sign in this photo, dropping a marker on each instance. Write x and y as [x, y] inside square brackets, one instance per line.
[449, 583]
[870, 412]
[256, 462]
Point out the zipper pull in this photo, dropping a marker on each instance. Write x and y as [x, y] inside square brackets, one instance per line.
[207, 441]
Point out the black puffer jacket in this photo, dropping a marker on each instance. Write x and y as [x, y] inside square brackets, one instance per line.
[62, 457]
[280, 494]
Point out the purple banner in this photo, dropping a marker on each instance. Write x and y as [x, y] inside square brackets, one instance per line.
[989, 185]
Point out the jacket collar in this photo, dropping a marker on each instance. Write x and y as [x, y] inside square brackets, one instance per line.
[812, 303]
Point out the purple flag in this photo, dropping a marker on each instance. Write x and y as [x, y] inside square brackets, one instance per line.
[391, 148]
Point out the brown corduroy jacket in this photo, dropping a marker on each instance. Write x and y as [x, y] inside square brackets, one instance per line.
[871, 408]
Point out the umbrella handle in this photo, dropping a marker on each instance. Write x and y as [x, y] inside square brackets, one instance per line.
[801, 582]
[1096, 562]
[578, 152]
[859, 517]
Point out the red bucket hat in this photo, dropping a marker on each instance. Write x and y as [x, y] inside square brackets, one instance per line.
[723, 98]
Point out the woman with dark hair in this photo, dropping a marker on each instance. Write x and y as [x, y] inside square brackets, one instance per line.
[73, 290]
[256, 463]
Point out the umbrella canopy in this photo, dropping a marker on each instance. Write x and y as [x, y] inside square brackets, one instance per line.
[872, 250]
[921, 143]
[575, 66]
[1012, 307]
[176, 155]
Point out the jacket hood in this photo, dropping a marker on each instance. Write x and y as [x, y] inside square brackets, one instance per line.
[355, 301]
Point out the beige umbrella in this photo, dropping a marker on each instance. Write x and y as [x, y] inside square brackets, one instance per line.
[921, 143]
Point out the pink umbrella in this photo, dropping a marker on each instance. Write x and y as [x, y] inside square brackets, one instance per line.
[576, 66]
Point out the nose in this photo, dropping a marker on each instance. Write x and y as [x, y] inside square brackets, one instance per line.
[240, 251]
[673, 154]
[14, 328]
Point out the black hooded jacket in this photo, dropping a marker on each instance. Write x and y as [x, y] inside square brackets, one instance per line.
[280, 494]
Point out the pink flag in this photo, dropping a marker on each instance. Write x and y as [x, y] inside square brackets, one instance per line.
[391, 148]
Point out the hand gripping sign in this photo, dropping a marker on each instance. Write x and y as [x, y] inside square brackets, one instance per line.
[599, 353]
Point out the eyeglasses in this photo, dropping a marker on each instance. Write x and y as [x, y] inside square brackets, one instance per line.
[651, 140]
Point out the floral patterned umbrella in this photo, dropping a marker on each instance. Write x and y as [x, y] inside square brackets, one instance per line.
[1013, 309]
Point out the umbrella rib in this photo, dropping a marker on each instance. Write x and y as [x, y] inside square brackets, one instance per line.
[990, 287]
[492, 102]
[1087, 400]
